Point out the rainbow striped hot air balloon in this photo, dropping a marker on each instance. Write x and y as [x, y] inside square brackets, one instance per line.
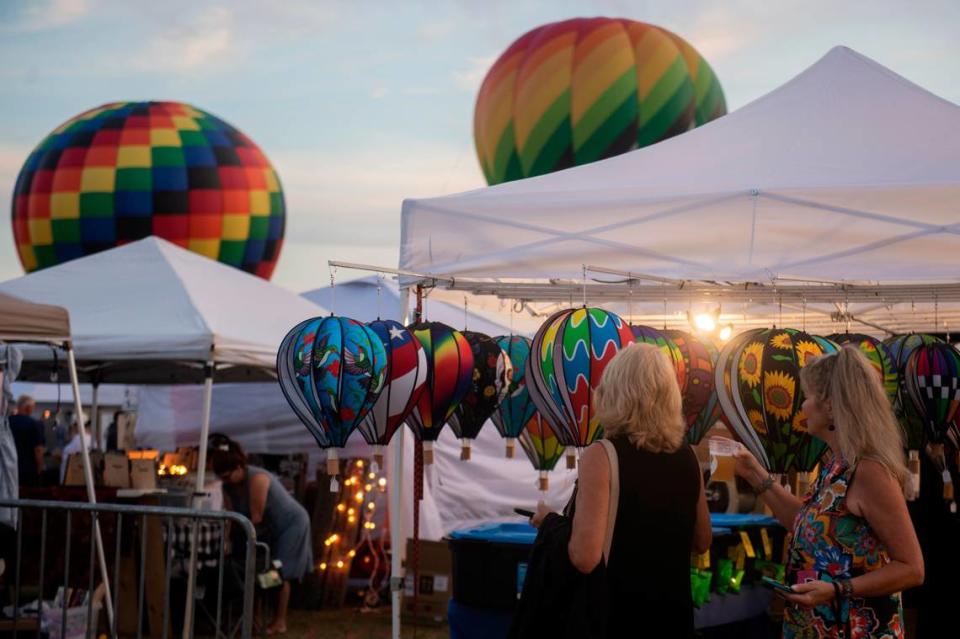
[539, 441]
[572, 92]
[449, 375]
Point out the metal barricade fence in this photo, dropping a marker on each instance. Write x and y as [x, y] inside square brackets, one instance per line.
[181, 531]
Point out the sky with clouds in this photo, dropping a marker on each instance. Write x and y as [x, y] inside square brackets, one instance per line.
[359, 104]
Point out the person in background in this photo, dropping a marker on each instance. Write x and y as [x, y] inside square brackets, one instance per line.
[112, 431]
[662, 513]
[30, 441]
[75, 446]
[279, 519]
[853, 547]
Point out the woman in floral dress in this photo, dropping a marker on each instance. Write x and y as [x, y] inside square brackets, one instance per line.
[853, 546]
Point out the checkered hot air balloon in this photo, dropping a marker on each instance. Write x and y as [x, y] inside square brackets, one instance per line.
[406, 376]
[492, 371]
[539, 441]
[568, 356]
[449, 375]
[126, 170]
[932, 377]
[701, 409]
[331, 371]
[767, 379]
[577, 91]
[517, 408]
[900, 348]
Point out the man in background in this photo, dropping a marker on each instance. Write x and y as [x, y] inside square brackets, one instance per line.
[30, 441]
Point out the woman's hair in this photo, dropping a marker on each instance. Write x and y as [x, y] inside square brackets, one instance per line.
[638, 397]
[865, 425]
[225, 454]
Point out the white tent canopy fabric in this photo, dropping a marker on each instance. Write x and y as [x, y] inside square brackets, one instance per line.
[151, 312]
[848, 171]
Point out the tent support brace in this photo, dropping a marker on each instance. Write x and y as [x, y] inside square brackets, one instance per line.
[396, 502]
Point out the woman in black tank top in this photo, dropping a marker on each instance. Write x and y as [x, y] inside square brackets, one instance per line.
[662, 513]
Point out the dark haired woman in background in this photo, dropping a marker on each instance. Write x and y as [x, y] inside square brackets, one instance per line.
[280, 521]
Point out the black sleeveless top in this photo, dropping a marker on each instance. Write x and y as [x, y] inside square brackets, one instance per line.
[648, 572]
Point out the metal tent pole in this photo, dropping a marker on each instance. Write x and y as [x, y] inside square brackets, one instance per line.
[88, 479]
[201, 484]
[396, 502]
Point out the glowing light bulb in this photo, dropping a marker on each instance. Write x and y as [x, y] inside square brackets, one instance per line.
[340, 564]
[372, 476]
[382, 482]
[359, 463]
[341, 507]
[351, 519]
[368, 487]
[705, 322]
[358, 497]
[352, 553]
[323, 565]
[371, 506]
[726, 332]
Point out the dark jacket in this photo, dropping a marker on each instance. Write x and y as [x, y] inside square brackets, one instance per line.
[557, 600]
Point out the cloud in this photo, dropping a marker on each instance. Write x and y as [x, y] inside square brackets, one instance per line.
[432, 31]
[44, 16]
[469, 79]
[206, 40]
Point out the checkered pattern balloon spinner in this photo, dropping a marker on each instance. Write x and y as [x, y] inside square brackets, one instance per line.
[127, 170]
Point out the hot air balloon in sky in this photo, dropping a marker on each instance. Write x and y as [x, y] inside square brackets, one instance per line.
[572, 92]
[449, 376]
[127, 170]
[406, 375]
[335, 368]
[517, 408]
[492, 371]
[568, 356]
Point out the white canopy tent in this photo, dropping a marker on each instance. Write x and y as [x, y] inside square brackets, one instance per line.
[835, 192]
[28, 322]
[834, 197]
[151, 312]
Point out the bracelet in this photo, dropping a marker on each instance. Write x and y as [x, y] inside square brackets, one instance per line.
[846, 588]
[765, 485]
[837, 596]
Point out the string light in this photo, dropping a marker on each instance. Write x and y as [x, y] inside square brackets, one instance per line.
[382, 482]
[359, 497]
[368, 488]
[359, 463]
[352, 553]
[341, 507]
[372, 476]
[340, 564]
[323, 565]
[371, 506]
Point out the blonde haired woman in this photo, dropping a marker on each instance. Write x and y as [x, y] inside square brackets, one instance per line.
[661, 514]
[853, 547]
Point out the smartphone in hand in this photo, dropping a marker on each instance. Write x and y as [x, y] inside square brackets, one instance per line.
[776, 585]
[523, 512]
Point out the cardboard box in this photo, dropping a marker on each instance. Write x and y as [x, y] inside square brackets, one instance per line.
[116, 470]
[433, 583]
[74, 474]
[143, 474]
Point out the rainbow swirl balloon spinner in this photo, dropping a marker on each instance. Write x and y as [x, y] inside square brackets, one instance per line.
[449, 375]
[767, 379]
[572, 92]
[701, 409]
[567, 358]
[516, 409]
[660, 339]
[406, 376]
[127, 170]
[879, 356]
[490, 381]
[932, 377]
[331, 371]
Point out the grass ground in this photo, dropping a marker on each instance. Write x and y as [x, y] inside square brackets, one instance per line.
[352, 624]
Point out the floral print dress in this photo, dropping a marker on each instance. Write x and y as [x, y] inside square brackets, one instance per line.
[836, 544]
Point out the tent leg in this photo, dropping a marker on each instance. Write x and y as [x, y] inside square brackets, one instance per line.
[88, 480]
[95, 415]
[201, 484]
[396, 503]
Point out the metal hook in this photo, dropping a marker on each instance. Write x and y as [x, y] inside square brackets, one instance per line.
[333, 289]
